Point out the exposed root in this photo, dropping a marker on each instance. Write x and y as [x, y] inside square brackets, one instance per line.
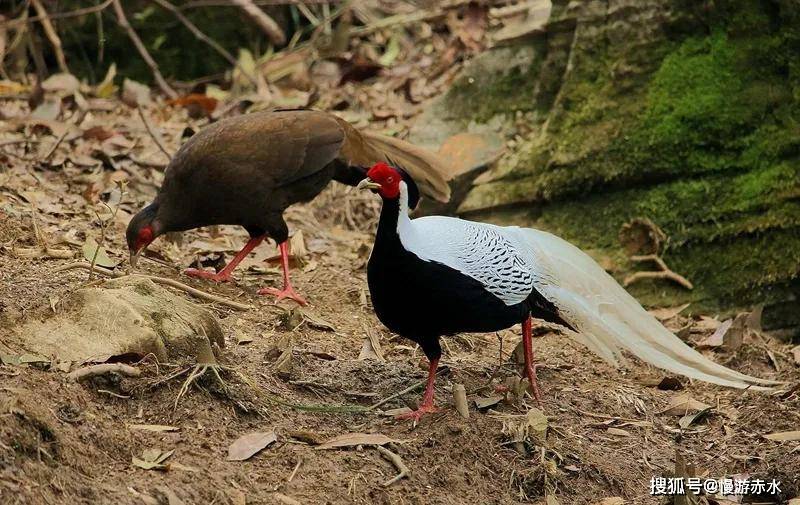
[198, 371]
[664, 273]
[397, 461]
[105, 368]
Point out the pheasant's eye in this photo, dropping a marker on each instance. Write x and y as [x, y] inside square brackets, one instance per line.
[390, 179]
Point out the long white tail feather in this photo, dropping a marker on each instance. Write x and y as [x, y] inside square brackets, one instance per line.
[607, 317]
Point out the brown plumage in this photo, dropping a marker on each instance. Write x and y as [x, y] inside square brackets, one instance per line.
[248, 169]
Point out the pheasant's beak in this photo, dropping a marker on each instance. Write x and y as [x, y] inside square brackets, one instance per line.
[368, 184]
[135, 257]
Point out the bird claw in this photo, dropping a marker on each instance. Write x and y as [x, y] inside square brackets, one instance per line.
[537, 395]
[416, 415]
[280, 294]
[202, 274]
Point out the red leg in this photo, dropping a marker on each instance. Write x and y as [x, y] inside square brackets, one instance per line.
[224, 275]
[287, 291]
[530, 368]
[427, 399]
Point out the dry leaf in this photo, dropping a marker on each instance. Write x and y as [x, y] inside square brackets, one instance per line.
[159, 428]
[315, 320]
[796, 354]
[689, 419]
[460, 400]
[354, 439]
[551, 500]
[618, 432]
[89, 248]
[614, 500]
[668, 313]
[106, 88]
[172, 498]
[62, 83]
[683, 404]
[784, 436]
[484, 402]
[717, 338]
[248, 445]
[242, 337]
[152, 459]
[135, 93]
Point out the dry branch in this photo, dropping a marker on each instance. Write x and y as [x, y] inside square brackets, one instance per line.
[664, 273]
[106, 368]
[152, 132]
[51, 34]
[61, 15]
[123, 22]
[397, 462]
[199, 35]
[266, 23]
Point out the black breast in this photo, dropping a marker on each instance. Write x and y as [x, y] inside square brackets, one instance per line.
[423, 300]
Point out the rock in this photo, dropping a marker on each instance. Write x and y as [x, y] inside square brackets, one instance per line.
[125, 316]
[652, 110]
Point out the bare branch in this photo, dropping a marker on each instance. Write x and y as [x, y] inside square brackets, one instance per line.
[61, 15]
[199, 35]
[664, 273]
[123, 22]
[266, 23]
[51, 34]
[152, 132]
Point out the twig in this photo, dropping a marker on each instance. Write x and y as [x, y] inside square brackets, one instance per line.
[392, 397]
[397, 19]
[103, 227]
[103, 369]
[161, 280]
[123, 22]
[55, 146]
[51, 34]
[397, 462]
[294, 472]
[199, 35]
[266, 23]
[665, 273]
[61, 15]
[152, 132]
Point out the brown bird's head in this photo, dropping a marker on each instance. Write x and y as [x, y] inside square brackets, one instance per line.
[385, 180]
[142, 230]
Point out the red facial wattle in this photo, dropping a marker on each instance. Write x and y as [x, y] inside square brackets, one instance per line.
[388, 178]
[144, 238]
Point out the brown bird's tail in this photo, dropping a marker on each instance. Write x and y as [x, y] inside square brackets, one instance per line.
[364, 149]
[426, 168]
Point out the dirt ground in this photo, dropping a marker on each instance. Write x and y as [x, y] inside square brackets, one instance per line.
[63, 442]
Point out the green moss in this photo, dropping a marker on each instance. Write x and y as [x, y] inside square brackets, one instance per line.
[708, 149]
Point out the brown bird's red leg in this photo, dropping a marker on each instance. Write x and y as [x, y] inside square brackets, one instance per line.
[427, 399]
[530, 367]
[224, 275]
[287, 291]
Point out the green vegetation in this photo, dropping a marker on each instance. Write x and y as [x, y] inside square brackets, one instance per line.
[708, 148]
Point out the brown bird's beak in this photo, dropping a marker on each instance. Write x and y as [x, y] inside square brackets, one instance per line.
[135, 257]
[368, 184]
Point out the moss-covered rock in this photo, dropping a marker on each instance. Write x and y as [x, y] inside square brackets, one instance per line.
[686, 114]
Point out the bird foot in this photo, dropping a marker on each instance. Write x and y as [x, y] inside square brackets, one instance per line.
[280, 294]
[212, 276]
[537, 395]
[416, 415]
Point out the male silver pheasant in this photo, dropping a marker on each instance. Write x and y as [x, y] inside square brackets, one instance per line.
[435, 276]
